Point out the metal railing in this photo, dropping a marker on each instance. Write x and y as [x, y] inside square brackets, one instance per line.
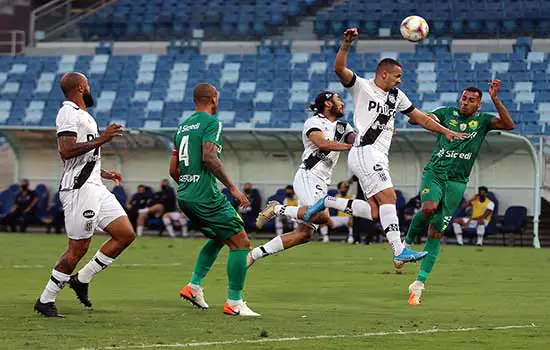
[12, 42]
[54, 17]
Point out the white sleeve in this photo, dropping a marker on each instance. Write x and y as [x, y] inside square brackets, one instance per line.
[354, 86]
[491, 206]
[404, 105]
[66, 122]
[312, 124]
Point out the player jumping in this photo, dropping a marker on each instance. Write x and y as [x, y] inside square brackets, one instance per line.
[324, 137]
[376, 103]
[195, 165]
[88, 204]
[447, 173]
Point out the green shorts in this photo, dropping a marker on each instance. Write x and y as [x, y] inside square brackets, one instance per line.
[216, 219]
[447, 193]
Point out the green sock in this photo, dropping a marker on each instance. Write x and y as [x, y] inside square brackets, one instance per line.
[432, 247]
[419, 225]
[236, 273]
[205, 260]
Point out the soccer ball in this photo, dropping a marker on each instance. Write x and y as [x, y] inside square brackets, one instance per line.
[414, 28]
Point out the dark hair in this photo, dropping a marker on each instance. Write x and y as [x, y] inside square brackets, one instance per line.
[387, 63]
[289, 187]
[482, 188]
[342, 183]
[474, 89]
[318, 106]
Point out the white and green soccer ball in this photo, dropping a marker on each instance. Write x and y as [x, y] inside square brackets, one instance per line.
[414, 28]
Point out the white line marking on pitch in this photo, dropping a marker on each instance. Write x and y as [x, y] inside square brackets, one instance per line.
[38, 266]
[314, 337]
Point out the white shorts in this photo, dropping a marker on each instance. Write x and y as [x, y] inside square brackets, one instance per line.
[308, 187]
[340, 221]
[89, 208]
[473, 223]
[175, 215]
[371, 168]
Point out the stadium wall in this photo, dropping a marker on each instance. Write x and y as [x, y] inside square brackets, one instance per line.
[269, 158]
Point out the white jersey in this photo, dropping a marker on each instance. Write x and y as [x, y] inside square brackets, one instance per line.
[86, 168]
[375, 110]
[320, 163]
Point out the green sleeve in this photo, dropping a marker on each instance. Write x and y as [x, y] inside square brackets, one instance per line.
[213, 132]
[441, 113]
[487, 119]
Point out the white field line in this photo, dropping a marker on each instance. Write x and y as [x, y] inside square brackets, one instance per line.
[38, 266]
[314, 337]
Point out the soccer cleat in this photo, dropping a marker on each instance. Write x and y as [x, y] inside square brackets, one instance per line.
[398, 264]
[267, 214]
[315, 208]
[409, 255]
[47, 309]
[238, 310]
[81, 290]
[195, 297]
[415, 289]
[350, 240]
[326, 239]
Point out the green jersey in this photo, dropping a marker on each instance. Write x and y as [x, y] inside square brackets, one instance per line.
[454, 160]
[196, 182]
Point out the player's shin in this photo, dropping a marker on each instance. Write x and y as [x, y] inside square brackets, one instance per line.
[271, 247]
[205, 260]
[433, 246]
[480, 233]
[288, 211]
[458, 233]
[419, 225]
[236, 274]
[57, 281]
[390, 224]
[98, 263]
[168, 224]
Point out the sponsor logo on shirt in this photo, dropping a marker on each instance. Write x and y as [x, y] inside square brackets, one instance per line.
[185, 128]
[190, 178]
[381, 109]
[453, 154]
[425, 190]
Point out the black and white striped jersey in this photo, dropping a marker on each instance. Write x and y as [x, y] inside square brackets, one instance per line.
[375, 111]
[73, 121]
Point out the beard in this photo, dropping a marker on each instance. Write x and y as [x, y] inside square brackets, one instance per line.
[336, 112]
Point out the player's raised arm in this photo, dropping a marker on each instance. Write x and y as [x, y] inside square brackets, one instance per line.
[345, 74]
[505, 122]
[69, 148]
[428, 123]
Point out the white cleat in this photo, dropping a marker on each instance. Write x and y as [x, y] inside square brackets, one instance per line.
[350, 240]
[415, 289]
[194, 296]
[238, 310]
[267, 214]
[326, 239]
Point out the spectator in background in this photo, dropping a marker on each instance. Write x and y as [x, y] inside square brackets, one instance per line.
[250, 213]
[22, 210]
[139, 200]
[164, 201]
[341, 219]
[412, 207]
[292, 201]
[178, 217]
[361, 224]
[481, 213]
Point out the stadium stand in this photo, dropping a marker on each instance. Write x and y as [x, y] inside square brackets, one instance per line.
[155, 90]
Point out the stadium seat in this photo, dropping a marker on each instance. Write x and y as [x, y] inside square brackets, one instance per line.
[514, 221]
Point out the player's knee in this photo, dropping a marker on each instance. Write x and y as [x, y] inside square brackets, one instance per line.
[78, 248]
[428, 210]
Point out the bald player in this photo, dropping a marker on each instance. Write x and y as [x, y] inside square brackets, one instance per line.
[195, 165]
[88, 204]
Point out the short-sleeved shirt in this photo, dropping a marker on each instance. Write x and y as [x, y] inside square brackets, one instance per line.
[455, 159]
[322, 163]
[375, 111]
[479, 208]
[73, 121]
[196, 182]
[24, 199]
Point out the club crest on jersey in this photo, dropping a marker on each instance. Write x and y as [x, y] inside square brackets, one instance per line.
[473, 124]
[340, 128]
[391, 98]
[425, 190]
[88, 214]
[462, 127]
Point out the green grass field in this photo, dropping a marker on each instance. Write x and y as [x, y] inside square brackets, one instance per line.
[348, 293]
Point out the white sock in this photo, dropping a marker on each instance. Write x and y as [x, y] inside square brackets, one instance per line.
[458, 233]
[390, 224]
[184, 229]
[271, 247]
[54, 287]
[337, 203]
[234, 302]
[195, 286]
[168, 224]
[278, 226]
[288, 211]
[97, 264]
[143, 211]
[324, 230]
[139, 231]
[480, 233]
[361, 208]
[350, 231]
[356, 207]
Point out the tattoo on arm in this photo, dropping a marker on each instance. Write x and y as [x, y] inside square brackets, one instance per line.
[69, 148]
[212, 162]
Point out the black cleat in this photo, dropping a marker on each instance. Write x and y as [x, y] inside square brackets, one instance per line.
[81, 290]
[47, 309]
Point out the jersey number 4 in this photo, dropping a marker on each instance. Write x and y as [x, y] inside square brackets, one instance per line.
[183, 154]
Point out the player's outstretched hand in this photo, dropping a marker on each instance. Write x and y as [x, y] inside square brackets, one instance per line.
[452, 135]
[113, 130]
[350, 35]
[239, 196]
[494, 87]
[111, 175]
